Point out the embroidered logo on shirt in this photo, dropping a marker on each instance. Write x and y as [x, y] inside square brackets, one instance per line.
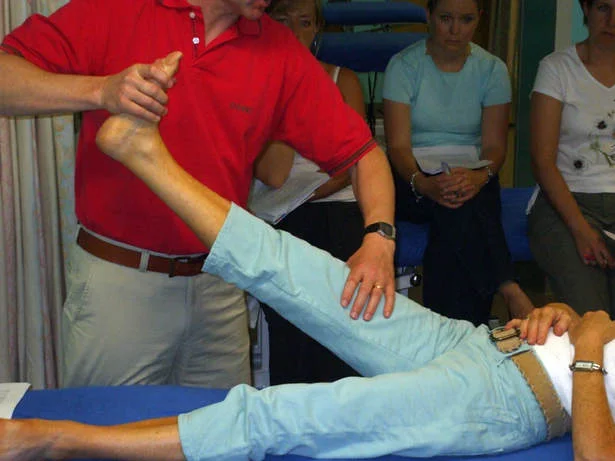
[241, 107]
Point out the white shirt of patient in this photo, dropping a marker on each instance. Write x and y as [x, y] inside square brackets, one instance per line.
[557, 354]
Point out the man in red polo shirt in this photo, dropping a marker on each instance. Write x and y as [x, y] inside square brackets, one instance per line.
[243, 80]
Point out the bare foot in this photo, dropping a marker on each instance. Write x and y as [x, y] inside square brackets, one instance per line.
[21, 441]
[123, 136]
[519, 305]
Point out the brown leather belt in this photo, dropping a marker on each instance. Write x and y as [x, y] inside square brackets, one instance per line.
[558, 421]
[180, 266]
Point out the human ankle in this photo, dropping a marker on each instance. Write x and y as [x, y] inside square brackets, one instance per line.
[509, 289]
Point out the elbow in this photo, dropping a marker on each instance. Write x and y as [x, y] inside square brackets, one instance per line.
[275, 180]
[540, 166]
[271, 176]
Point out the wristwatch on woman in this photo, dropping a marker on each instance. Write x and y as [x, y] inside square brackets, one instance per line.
[490, 173]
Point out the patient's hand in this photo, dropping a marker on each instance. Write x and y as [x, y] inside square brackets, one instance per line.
[535, 327]
[596, 325]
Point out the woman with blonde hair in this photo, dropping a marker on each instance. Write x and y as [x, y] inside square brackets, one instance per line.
[330, 220]
[447, 93]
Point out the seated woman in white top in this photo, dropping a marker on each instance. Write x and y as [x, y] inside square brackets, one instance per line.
[330, 220]
[438, 386]
[573, 159]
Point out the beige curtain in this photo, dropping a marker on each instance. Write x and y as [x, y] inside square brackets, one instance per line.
[36, 225]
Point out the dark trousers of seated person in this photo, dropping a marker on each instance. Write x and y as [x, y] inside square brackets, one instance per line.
[294, 357]
[583, 287]
[466, 258]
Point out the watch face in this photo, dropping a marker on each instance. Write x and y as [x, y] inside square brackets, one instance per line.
[584, 365]
[385, 229]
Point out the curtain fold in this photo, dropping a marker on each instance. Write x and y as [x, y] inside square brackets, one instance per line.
[36, 226]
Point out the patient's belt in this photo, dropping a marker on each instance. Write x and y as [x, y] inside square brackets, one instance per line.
[558, 421]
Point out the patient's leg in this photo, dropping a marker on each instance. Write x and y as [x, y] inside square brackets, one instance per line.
[35, 439]
[124, 136]
[137, 145]
[302, 283]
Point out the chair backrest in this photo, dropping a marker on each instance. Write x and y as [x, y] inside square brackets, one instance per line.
[366, 13]
[367, 51]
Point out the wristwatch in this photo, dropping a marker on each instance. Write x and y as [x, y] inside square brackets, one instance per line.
[586, 365]
[490, 173]
[384, 229]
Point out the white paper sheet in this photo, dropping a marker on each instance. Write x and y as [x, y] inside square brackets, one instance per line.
[272, 205]
[430, 158]
[10, 395]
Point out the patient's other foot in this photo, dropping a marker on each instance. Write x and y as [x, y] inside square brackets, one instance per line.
[125, 136]
[519, 305]
[20, 441]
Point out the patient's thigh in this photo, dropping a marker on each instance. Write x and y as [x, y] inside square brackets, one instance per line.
[468, 401]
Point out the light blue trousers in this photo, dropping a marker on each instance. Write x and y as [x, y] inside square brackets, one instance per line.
[433, 386]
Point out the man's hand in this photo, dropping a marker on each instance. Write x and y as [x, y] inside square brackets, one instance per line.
[371, 276]
[139, 90]
[535, 327]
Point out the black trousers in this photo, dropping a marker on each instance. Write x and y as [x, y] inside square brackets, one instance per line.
[467, 257]
[294, 357]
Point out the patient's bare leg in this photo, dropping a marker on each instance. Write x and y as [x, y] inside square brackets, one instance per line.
[37, 439]
[138, 146]
[124, 137]
[19, 443]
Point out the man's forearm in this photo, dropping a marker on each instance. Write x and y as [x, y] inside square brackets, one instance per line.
[28, 90]
[373, 186]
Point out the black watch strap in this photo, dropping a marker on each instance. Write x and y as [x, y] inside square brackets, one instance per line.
[386, 230]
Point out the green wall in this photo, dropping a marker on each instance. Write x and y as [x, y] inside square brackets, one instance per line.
[538, 30]
[579, 32]
[537, 40]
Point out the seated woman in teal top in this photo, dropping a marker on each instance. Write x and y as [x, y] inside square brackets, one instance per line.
[447, 91]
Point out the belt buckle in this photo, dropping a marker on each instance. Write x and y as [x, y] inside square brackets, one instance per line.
[506, 340]
[183, 260]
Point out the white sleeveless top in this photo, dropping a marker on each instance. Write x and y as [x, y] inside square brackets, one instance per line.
[557, 354]
[303, 165]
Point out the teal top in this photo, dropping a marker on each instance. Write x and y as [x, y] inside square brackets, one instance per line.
[446, 106]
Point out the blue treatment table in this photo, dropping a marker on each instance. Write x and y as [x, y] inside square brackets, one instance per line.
[114, 405]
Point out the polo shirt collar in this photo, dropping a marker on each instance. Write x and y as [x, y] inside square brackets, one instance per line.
[247, 27]
[244, 26]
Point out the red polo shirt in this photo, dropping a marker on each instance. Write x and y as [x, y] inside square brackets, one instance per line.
[255, 82]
